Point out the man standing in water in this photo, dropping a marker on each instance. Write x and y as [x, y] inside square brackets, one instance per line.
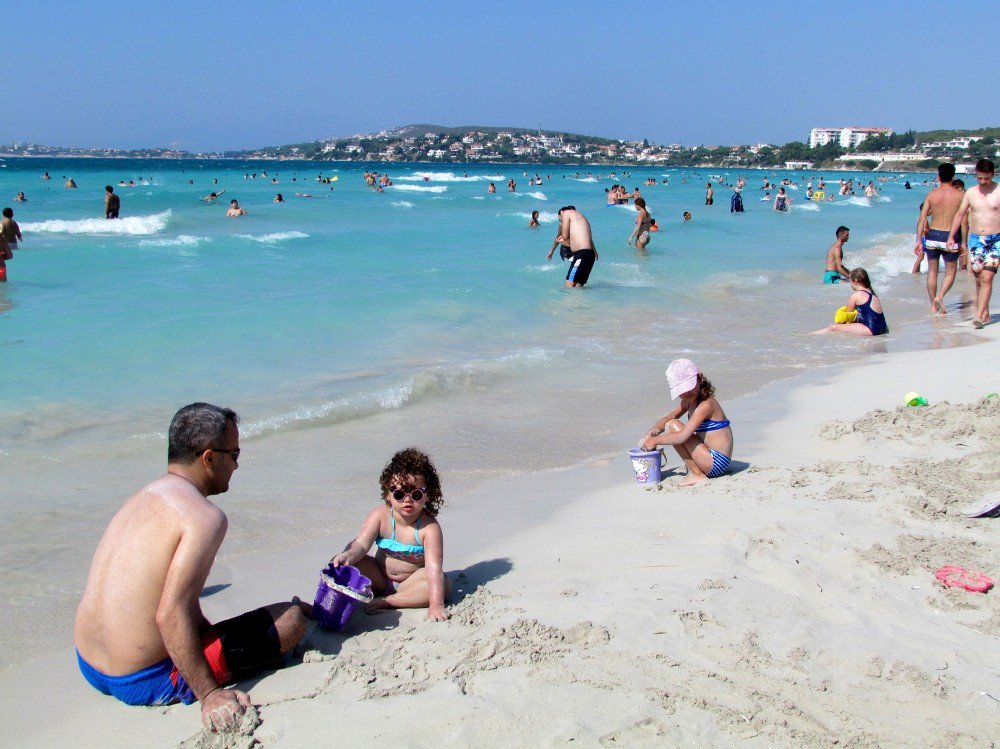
[234, 209]
[835, 269]
[982, 203]
[112, 203]
[140, 634]
[574, 230]
[940, 206]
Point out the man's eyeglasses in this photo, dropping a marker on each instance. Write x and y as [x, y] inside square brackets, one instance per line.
[417, 495]
[235, 453]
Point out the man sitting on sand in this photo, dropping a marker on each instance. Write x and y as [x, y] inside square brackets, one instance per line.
[835, 270]
[140, 634]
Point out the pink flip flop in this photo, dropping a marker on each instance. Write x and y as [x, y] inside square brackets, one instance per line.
[959, 577]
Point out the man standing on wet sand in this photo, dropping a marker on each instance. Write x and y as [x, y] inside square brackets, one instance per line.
[835, 269]
[574, 230]
[940, 207]
[140, 634]
[982, 203]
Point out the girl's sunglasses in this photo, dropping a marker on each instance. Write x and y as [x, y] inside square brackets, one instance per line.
[417, 495]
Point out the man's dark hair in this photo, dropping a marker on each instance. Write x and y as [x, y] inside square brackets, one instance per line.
[946, 172]
[985, 166]
[231, 202]
[108, 188]
[8, 213]
[196, 428]
[841, 229]
[566, 208]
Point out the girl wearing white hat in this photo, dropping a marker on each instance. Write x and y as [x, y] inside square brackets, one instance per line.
[705, 441]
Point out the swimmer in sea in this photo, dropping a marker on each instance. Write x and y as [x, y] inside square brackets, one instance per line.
[534, 220]
[235, 210]
[491, 189]
[278, 198]
[70, 183]
[212, 196]
[20, 198]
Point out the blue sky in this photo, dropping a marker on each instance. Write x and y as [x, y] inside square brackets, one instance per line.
[216, 76]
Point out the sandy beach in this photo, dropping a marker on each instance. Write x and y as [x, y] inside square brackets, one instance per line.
[790, 604]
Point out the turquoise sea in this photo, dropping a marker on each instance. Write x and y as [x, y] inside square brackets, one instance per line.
[352, 323]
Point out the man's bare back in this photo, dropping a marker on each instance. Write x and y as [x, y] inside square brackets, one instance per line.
[575, 231]
[941, 204]
[116, 629]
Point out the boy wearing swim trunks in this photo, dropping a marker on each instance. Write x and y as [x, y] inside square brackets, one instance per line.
[982, 204]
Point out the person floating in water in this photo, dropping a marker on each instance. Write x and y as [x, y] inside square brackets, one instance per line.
[705, 441]
[212, 196]
[407, 571]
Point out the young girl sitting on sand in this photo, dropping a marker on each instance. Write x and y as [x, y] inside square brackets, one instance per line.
[870, 319]
[705, 442]
[406, 571]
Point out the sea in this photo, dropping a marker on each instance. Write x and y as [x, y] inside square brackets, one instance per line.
[344, 324]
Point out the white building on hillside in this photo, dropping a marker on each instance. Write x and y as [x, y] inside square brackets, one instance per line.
[846, 137]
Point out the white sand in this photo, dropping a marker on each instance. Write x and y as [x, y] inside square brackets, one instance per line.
[792, 604]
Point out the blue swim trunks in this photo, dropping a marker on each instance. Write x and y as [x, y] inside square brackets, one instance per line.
[984, 252]
[831, 276]
[936, 245]
[234, 649]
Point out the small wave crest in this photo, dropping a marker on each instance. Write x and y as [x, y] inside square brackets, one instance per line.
[544, 217]
[809, 206]
[433, 382]
[854, 200]
[421, 188]
[130, 225]
[584, 179]
[536, 195]
[403, 204]
[444, 177]
[182, 240]
[278, 236]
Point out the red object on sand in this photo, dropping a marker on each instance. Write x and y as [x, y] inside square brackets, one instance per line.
[959, 577]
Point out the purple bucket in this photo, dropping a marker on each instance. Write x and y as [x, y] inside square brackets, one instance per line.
[340, 591]
[646, 464]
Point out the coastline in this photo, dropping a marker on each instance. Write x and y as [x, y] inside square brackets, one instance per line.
[771, 606]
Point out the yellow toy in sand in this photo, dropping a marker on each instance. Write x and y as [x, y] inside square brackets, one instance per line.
[842, 316]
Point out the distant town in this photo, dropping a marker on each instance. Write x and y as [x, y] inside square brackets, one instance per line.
[868, 148]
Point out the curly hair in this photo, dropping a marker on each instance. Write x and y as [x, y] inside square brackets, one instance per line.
[705, 389]
[413, 462]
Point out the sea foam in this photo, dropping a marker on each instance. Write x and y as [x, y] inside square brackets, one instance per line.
[278, 236]
[134, 225]
[421, 188]
[183, 240]
[444, 177]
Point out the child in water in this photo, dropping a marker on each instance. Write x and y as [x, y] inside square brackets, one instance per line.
[705, 441]
[406, 571]
[870, 320]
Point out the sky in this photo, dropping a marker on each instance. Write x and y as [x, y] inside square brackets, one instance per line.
[218, 76]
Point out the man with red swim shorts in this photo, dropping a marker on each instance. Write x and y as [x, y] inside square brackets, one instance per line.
[140, 634]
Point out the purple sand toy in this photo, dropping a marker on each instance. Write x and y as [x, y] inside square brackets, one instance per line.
[646, 464]
[340, 591]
